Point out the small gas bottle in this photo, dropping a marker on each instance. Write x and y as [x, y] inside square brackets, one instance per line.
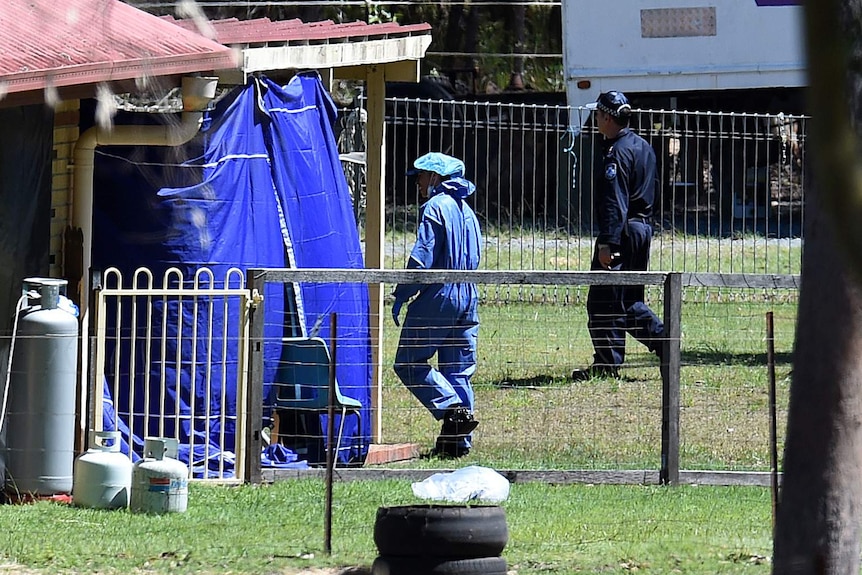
[102, 475]
[160, 483]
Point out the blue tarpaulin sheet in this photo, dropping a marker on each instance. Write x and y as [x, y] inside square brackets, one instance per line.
[261, 187]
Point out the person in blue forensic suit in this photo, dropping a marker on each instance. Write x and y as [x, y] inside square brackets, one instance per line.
[626, 190]
[442, 318]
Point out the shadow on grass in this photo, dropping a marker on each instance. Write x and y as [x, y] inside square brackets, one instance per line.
[689, 358]
[708, 357]
[540, 381]
[528, 382]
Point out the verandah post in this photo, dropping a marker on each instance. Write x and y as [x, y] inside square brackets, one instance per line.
[256, 280]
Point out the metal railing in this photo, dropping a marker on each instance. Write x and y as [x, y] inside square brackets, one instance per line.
[731, 190]
[171, 361]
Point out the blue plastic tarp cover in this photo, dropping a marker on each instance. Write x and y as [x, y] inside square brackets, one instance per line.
[263, 188]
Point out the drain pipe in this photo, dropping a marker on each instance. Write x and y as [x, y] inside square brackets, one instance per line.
[196, 94]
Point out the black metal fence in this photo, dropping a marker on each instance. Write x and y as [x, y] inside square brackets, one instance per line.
[731, 195]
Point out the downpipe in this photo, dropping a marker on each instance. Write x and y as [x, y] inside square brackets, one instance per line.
[197, 93]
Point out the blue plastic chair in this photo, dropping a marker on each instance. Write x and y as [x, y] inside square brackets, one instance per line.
[302, 382]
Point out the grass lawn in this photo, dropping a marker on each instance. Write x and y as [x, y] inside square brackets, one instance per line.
[278, 528]
[533, 417]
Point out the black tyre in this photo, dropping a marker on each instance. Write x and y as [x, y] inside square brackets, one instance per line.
[451, 531]
[438, 566]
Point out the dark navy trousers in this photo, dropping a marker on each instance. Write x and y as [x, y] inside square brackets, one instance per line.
[614, 311]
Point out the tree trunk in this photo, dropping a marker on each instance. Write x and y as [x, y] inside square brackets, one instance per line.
[817, 530]
[471, 43]
[455, 32]
[818, 520]
[517, 23]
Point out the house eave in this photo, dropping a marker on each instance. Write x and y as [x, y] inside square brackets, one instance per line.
[334, 55]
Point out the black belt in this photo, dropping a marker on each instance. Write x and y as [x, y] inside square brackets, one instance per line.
[640, 219]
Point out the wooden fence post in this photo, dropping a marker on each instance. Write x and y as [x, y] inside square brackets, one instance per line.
[254, 415]
[670, 368]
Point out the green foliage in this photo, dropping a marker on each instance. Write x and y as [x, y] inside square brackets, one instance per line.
[488, 34]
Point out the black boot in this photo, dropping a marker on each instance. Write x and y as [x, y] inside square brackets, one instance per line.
[448, 448]
[458, 423]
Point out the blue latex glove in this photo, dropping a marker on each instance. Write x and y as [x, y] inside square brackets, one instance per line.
[396, 311]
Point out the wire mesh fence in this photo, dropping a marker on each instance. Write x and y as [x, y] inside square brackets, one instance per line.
[731, 200]
[731, 203]
[534, 417]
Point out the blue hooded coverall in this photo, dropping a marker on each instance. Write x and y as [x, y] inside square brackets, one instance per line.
[443, 318]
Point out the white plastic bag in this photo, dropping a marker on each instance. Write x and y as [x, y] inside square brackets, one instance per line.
[465, 484]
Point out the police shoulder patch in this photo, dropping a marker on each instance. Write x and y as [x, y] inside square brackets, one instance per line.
[610, 171]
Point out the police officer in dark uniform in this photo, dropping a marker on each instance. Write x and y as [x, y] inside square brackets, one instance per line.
[626, 190]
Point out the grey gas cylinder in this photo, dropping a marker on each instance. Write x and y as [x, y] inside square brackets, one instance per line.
[103, 475]
[160, 483]
[40, 425]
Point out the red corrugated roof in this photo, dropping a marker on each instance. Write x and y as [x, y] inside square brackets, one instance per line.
[76, 42]
[264, 30]
[64, 43]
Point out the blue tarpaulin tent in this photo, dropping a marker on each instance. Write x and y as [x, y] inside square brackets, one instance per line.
[261, 187]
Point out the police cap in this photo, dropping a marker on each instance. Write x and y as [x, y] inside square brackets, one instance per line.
[614, 103]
